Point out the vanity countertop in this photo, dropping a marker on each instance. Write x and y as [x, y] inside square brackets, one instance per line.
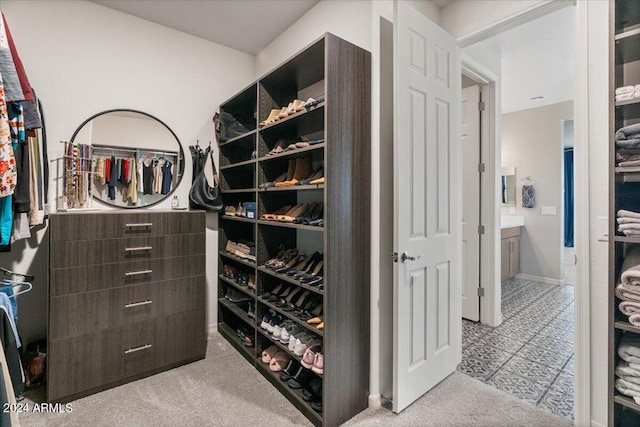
[508, 221]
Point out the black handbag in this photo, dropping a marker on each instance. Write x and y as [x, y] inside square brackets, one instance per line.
[202, 196]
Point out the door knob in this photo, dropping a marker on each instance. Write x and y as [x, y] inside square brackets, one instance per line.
[406, 257]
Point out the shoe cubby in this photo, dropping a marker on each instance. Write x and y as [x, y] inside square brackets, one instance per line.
[312, 122]
[243, 108]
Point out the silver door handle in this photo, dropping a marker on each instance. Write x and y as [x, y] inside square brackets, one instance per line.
[135, 273]
[141, 224]
[133, 350]
[140, 248]
[138, 304]
[406, 257]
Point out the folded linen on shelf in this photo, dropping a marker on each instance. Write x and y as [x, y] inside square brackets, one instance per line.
[627, 220]
[634, 319]
[630, 277]
[629, 163]
[628, 293]
[627, 154]
[625, 96]
[625, 89]
[628, 136]
[628, 372]
[628, 389]
[629, 348]
[629, 307]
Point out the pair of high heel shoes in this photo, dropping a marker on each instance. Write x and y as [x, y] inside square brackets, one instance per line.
[298, 173]
[283, 145]
[302, 303]
[306, 269]
[280, 260]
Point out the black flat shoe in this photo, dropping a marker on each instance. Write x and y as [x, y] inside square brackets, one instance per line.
[290, 370]
[313, 390]
[301, 378]
[316, 214]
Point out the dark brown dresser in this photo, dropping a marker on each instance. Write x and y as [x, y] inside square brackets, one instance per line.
[126, 297]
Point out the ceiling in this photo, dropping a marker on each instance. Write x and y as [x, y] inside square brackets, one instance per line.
[537, 60]
[244, 25]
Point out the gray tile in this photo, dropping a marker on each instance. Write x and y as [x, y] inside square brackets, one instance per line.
[558, 403]
[478, 369]
[531, 370]
[545, 357]
[553, 345]
[486, 353]
[503, 342]
[525, 389]
[565, 381]
[562, 324]
[559, 334]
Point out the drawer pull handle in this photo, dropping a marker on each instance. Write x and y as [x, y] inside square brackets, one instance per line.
[138, 304]
[135, 273]
[133, 350]
[142, 224]
[141, 248]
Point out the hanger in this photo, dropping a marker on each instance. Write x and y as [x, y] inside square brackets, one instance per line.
[16, 283]
[527, 181]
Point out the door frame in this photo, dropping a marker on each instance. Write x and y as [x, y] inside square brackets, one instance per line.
[492, 146]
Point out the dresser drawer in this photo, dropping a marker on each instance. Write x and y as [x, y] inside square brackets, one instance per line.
[88, 312]
[100, 226]
[73, 253]
[80, 364]
[64, 281]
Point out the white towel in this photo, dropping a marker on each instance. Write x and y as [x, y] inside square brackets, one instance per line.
[627, 220]
[625, 89]
[626, 372]
[634, 319]
[628, 389]
[630, 277]
[630, 307]
[627, 294]
[625, 96]
[629, 226]
[622, 213]
[629, 348]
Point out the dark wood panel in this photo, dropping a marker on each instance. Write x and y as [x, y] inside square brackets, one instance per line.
[82, 363]
[347, 229]
[181, 336]
[106, 225]
[72, 253]
[93, 278]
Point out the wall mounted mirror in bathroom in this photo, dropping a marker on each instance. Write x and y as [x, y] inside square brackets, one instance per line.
[508, 186]
[143, 153]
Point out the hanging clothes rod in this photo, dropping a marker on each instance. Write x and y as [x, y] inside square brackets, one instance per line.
[133, 150]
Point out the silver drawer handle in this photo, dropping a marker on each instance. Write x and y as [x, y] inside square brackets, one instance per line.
[142, 224]
[138, 304]
[133, 350]
[141, 248]
[135, 273]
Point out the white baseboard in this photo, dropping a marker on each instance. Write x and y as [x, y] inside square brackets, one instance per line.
[540, 279]
[375, 401]
[595, 424]
[212, 330]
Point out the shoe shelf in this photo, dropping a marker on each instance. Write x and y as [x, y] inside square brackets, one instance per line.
[290, 316]
[244, 289]
[290, 225]
[239, 312]
[248, 352]
[236, 258]
[292, 188]
[245, 163]
[290, 279]
[339, 72]
[292, 153]
[247, 135]
[281, 346]
[237, 218]
[238, 190]
[293, 395]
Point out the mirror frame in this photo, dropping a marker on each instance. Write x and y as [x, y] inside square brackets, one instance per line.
[129, 110]
[510, 171]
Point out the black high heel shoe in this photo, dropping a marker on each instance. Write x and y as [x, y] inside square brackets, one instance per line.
[274, 291]
[316, 214]
[307, 266]
[294, 263]
[284, 293]
[286, 300]
[292, 306]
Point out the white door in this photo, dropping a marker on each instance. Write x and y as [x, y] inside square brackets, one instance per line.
[470, 203]
[427, 219]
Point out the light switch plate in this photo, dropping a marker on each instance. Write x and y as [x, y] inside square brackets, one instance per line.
[548, 210]
[603, 228]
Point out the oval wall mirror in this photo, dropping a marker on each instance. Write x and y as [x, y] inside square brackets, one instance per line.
[137, 160]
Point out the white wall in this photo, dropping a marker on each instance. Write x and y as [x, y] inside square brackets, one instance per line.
[532, 142]
[83, 58]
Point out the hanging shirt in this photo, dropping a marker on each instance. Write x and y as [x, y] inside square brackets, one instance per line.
[157, 177]
[147, 176]
[8, 170]
[113, 179]
[167, 177]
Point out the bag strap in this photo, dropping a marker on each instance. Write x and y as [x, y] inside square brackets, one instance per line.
[213, 165]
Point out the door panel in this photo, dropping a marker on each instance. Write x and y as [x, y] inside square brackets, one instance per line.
[470, 138]
[427, 220]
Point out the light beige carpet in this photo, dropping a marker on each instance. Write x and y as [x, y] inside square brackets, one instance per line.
[225, 390]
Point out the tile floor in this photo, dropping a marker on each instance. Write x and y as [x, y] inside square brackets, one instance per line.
[530, 355]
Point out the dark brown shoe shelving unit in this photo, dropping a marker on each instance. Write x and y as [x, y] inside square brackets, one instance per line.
[341, 73]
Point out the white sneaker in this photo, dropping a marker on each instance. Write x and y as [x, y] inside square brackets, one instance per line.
[277, 331]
